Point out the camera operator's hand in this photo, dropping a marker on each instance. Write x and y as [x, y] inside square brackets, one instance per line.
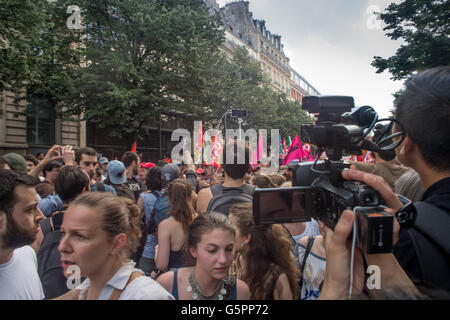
[383, 188]
[337, 273]
[393, 280]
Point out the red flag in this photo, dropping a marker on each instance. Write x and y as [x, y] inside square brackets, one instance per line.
[133, 149]
[295, 151]
[168, 160]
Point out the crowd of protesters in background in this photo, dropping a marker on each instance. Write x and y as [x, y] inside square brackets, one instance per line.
[143, 230]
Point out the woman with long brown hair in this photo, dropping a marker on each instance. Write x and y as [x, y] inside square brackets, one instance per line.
[172, 231]
[264, 257]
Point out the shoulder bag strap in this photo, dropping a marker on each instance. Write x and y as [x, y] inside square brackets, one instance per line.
[116, 293]
[307, 251]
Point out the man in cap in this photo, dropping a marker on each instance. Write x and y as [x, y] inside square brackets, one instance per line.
[103, 161]
[16, 162]
[117, 178]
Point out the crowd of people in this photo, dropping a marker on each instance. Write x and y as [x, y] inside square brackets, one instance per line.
[77, 226]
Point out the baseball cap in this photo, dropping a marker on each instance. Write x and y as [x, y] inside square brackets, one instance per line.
[170, 172]
[16, 162]
[116, 172]
[103, 160]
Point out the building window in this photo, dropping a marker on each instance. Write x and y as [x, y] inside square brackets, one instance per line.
[40, 122]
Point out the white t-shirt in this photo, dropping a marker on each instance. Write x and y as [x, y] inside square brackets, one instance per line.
[311, 229]
[141, 288]
[19, 279]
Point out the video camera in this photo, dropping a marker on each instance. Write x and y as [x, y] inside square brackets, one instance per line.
[319, 191]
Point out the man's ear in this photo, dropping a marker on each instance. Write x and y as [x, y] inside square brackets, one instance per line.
[119, 243]
[407, 146]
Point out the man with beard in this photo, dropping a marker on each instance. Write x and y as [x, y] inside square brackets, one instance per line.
[20, 218]
[132, 163]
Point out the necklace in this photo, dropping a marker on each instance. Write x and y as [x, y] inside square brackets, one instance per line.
[198, 294]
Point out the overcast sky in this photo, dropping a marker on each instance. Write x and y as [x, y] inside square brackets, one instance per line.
[331, 43]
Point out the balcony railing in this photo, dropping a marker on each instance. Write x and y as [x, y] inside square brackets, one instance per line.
[276, 60]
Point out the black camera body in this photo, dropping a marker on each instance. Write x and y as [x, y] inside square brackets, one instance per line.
[325, 194]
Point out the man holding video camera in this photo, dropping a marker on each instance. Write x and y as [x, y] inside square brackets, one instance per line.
[423, 110]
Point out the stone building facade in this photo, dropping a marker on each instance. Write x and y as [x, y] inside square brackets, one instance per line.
[31, 126]
[263, 45]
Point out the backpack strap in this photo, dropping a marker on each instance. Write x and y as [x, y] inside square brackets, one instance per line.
[216, 190]
[305, 257]
[116, 293]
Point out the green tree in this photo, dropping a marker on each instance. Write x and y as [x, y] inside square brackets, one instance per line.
[141, 57]
[21, 23]
[424, 26]
[240, 83]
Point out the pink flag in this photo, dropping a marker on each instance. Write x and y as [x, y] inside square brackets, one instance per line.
[295, 151]
[260, 148]
[254, 161]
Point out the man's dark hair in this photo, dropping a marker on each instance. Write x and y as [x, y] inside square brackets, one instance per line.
[235, 170]
[30, 157]
[69, 183]
[128, 158]
[8, 182]
[154, 179]
[86, 150]
[51, 166]
[423, 109]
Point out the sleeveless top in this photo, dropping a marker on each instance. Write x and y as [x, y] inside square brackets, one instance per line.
[230, 286]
